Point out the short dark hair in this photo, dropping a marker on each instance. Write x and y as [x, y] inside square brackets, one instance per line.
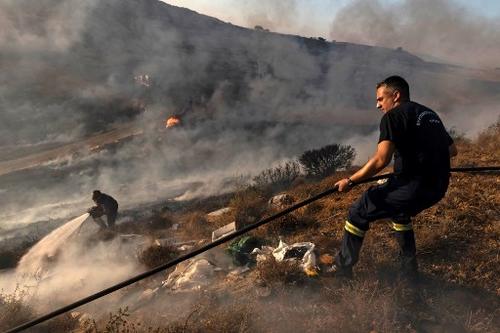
[96, 194]
[396, 82]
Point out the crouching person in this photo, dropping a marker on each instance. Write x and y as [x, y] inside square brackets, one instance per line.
[105, 205]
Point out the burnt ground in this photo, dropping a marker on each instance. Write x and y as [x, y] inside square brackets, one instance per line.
[458, 251]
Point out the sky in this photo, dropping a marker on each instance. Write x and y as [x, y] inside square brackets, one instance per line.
[242, 12]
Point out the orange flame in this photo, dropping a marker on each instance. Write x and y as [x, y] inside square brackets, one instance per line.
[172, 121]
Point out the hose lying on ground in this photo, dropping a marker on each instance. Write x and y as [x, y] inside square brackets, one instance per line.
[209, 246]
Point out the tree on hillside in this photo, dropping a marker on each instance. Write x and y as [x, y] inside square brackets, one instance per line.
[326, 160]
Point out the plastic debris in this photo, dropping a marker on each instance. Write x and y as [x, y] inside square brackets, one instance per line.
[303, 252]
[241, 248]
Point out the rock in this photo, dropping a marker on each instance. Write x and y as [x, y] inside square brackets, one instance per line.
[75, 314]
[185, 247]
[147, 294]
[281, 201]
[213, 216]
[84, 318]
[238, 271]
[191, 275]
[224, 231]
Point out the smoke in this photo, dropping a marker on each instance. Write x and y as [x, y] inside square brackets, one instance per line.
[442, 29]
[68, 264]
[246, 100]
[36, 39]
[41, 26]
[272, 15]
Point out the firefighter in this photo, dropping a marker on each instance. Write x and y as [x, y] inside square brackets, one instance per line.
[105, 205]
[422, 148]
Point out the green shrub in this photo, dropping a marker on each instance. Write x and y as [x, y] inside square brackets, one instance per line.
[325, 161]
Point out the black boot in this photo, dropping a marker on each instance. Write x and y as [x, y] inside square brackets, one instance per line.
[407, 255]
[348, 256]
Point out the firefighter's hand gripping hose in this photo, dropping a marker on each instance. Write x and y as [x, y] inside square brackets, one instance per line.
[209, 246]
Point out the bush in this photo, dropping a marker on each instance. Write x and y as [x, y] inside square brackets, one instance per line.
[160, 221]
[156, 255]
[14, 310]
[197, 225]
[249, 204]
[325, 161]
[278, 177]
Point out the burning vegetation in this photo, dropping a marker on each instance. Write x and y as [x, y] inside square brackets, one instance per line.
[172, 121]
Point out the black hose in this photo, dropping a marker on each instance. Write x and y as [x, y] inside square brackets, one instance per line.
[207, 247]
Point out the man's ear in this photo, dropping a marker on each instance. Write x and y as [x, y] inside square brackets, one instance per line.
[396, 96]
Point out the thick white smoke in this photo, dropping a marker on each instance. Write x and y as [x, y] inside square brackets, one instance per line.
[440, 28]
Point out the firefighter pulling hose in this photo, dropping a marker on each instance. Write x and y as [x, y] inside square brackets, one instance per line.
[422, 149]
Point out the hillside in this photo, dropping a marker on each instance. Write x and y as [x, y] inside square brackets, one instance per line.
[76, 77]
[196, 64]
[457, 243]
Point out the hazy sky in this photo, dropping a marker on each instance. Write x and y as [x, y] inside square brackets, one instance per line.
[311, 17]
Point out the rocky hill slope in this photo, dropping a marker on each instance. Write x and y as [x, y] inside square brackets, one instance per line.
[457, 243]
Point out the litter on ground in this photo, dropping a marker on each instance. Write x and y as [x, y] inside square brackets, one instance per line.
[303, 252]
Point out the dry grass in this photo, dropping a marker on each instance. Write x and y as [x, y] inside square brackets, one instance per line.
[280, 274]
[458, 249]
[156, 255]
[195, 225]
[249, 205]
[15, 309]
[210, 315]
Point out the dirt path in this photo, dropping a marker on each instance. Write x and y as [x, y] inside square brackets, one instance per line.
[88, 144]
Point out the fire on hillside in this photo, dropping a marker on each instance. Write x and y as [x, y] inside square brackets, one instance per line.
[172, 121]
